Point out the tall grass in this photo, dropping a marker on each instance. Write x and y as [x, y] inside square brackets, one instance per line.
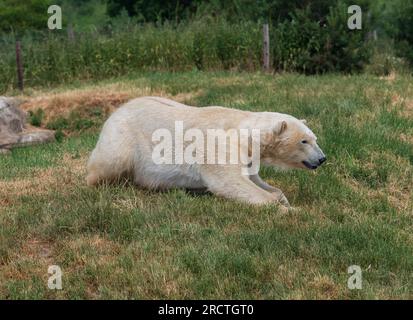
[207, 43]
[53, 58]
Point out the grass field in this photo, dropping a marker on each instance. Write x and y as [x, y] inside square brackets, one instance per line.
[122, 242]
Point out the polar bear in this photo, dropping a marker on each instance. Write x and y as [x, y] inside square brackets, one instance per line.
[131, 135]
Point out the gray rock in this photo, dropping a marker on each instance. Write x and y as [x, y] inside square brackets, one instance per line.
[35, 137]
[12, 121]
[14, 130]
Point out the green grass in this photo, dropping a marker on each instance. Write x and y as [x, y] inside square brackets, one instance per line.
[122, 242]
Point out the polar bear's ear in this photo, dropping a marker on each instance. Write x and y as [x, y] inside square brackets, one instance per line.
[303, 121]
[270, 137]
[280, 127]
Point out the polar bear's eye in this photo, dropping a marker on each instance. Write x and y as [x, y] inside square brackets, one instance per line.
[303, 141]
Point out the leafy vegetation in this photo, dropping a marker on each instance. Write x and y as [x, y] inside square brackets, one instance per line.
[18, 16]
[208, 44]
[36, 117]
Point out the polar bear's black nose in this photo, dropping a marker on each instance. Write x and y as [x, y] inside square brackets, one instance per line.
[323, 159]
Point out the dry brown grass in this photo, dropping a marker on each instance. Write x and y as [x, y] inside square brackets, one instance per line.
[33, 255]
[61, 104]
[108, 98]
[104, 250]
[38, 184]
[68, 172]
[397, 190]
[403, 105]
[390, 77]
[406, 138]
[324, 287]
[408, 109]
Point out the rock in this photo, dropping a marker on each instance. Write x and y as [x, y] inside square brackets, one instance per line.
[12, 122]
[13, 128]
[34, 136]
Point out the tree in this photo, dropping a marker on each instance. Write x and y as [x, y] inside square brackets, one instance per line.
[232, 10]
[20, 15]
[152, 10]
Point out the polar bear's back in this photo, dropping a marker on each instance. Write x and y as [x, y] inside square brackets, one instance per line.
[153, 102]
[150, 113]
[125, 142]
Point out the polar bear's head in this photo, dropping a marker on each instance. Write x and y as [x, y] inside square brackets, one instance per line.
[289, 143]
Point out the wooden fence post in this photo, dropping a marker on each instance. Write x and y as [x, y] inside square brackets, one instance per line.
[19, 63]
[266, 47]
[70, 33]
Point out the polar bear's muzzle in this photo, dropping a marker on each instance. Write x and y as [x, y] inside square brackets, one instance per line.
[317, 160]
[313, 166]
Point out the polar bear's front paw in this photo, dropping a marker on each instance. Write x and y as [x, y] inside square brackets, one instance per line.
[280, 197]
[285, 210]
[283, 200]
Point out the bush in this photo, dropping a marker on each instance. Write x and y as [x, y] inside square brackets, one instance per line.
[308, 46]
[36, 117]
[396, 23]
[384, 60]
[17, 15]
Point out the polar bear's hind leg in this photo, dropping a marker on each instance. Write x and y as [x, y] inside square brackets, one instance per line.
[107, 167]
